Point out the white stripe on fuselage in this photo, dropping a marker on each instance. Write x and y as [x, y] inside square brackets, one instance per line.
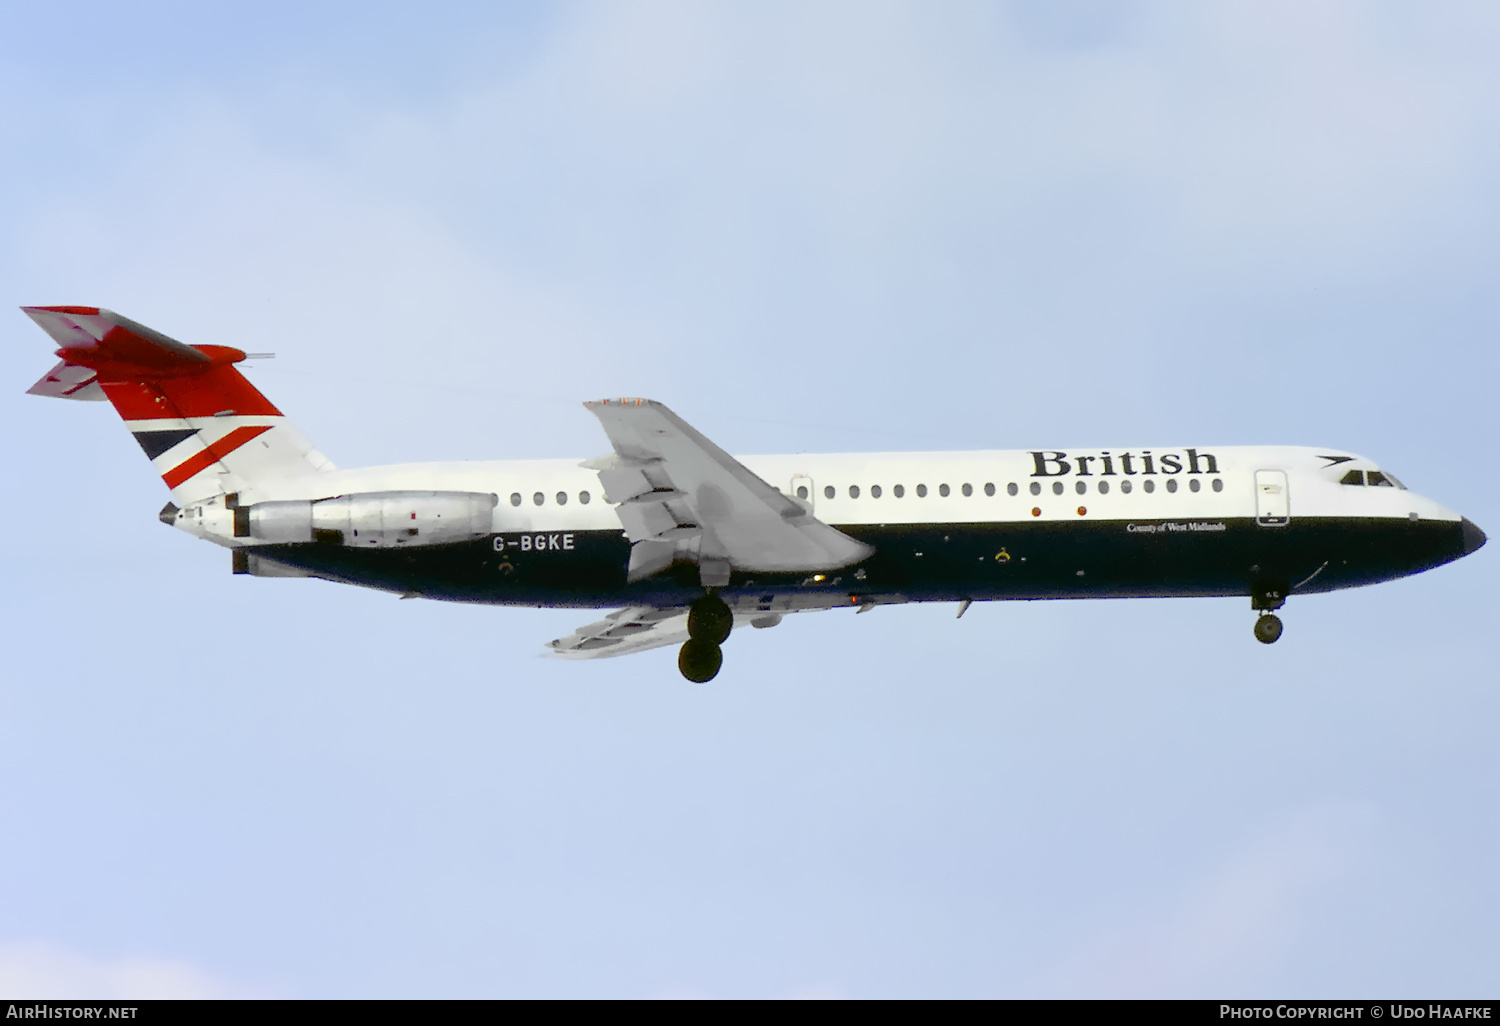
[1313, 487]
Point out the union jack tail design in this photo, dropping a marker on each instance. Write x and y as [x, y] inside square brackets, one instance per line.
[206, 429]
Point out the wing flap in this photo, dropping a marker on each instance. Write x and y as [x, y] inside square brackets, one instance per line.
[643, 521]
[621, 484]
[650, 557]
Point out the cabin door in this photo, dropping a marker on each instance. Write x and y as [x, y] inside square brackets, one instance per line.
[1272, 504]
[802, 491]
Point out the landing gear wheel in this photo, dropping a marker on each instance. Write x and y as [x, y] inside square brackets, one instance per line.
[700, 660]
[710, 620]
[1268, 628]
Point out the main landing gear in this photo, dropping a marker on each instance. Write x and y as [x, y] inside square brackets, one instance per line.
[1263, 599]
[709, 624]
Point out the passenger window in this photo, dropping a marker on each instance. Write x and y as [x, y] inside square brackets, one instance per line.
[1218, 484]
[968, 490]
[562, 498]
[898, 491]
[1057, 487]
[802, 491]
[1171, 484]
[515, 498]
[1036, 488]
[538, 498]
[1149, 485]
[1103, 487]
[1354, 477]
[943, 490]
[1125, 487]
[874, 491]
[1193, 485]
[921, 491]
[584, 497]
[1081, 487]
[1376, 478]
[1011, 489]
[828, 492]
[989, 489]
[854, 491]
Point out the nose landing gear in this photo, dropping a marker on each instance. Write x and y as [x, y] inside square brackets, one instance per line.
[709, 623]
[1267, 628]
[1263, 599]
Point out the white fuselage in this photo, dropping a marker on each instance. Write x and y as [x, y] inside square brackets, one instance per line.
[988, 486]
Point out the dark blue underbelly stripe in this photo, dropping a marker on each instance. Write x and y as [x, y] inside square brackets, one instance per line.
[982, 561]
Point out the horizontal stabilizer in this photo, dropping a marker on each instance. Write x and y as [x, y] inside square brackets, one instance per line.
[112, 338]
[69, 381]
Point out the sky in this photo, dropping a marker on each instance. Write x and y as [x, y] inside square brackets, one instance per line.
[816, 226]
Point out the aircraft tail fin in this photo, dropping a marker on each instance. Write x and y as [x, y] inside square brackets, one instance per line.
[206, 429]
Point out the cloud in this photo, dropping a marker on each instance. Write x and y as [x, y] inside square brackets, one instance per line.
[35, 969]
[667, 177]
[644, 126]
[1286, 122]
[1231, 927]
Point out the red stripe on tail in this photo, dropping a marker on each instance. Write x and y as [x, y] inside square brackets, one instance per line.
[211, 455]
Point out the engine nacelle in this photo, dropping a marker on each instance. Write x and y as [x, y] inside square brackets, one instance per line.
[371, 519]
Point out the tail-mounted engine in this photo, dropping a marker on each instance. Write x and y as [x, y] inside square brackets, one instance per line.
[371, 519]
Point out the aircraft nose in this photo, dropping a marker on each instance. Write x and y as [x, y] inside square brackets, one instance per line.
[1473, 537]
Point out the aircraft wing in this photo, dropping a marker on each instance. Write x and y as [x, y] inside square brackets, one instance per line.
[633, 629]
[680, 497]
[639, 628]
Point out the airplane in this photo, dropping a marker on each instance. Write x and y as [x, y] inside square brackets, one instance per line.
[690, 543]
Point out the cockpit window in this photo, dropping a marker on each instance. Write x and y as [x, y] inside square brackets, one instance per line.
[1372, 479]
